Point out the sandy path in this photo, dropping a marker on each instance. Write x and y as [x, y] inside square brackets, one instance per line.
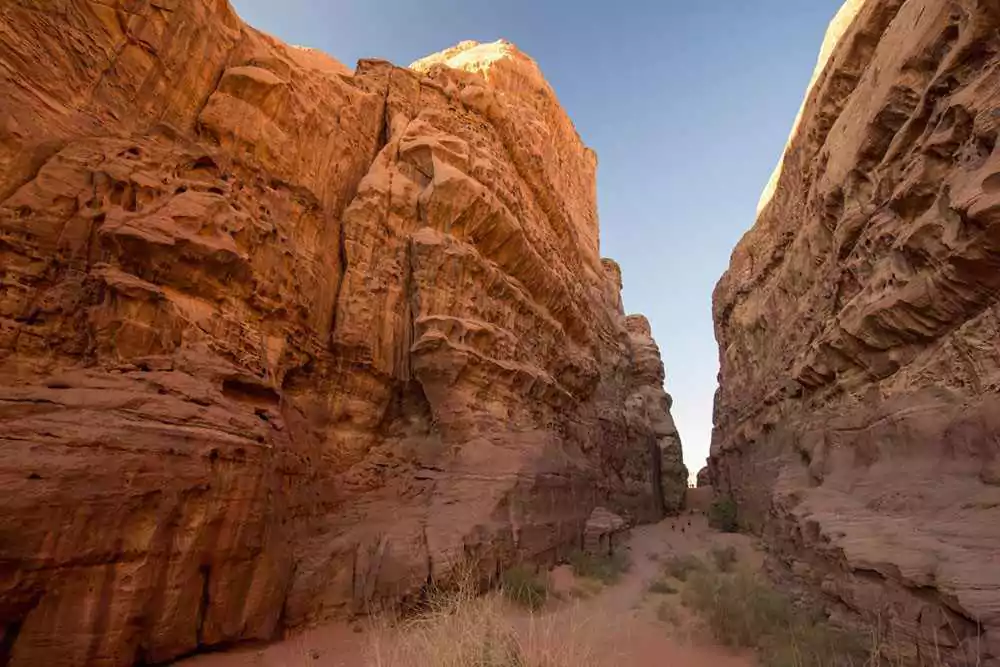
[620, 622]
[630, 632]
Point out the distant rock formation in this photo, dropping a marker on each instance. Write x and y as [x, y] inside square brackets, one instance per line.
[279, 340]
[858, 419]
[704, 478]
[602, 532]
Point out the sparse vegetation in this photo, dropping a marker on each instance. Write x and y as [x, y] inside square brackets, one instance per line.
[585, 588]
[743, 610]
[606, 569]
[722, 515]
[668, 613]
[463, 629]
[523, 586]
[724, 558]
[662, 587]
[680, 567]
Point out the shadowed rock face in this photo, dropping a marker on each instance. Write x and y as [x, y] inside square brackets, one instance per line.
[279, 341]
[858, 418]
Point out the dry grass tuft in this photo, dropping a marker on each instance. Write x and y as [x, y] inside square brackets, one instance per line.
[681, 567]
[668, 613]
[606, 569]
[724, 558]
[463, 629]
[585, 589]
[525, 587]
[662, 587]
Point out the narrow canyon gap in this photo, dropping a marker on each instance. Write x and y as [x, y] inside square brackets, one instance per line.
[280, 340]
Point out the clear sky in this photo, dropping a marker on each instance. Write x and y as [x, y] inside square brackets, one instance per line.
[688, 104]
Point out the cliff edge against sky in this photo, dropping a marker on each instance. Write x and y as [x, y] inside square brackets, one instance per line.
[857, 421]
[280, 341]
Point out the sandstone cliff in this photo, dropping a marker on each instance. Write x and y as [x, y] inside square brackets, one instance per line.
[279, 340]
[858, 417]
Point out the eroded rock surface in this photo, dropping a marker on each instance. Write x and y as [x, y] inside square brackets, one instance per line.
[279, 340]
[603, 532]
[858, 417]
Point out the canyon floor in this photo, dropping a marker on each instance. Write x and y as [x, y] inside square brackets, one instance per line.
[585, 623]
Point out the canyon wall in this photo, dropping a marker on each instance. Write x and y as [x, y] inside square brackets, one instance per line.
[857, 422]
[280, 341]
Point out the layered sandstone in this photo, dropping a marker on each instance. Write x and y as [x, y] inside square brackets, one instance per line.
[280, 341]
[858, 417]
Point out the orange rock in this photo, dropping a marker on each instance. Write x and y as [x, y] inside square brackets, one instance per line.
[280, 341]
[858, 418]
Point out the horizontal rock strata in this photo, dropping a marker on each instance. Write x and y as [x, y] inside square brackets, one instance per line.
[280, 341]
[858, 418]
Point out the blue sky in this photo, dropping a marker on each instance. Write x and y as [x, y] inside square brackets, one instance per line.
[687, 103]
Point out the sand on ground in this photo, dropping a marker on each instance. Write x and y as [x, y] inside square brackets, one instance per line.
[625, 623]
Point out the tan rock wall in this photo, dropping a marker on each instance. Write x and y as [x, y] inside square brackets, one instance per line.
[859, 331]
[280, 341]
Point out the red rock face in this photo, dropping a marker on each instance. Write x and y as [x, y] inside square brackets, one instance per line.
[279, 341]
[858, 417]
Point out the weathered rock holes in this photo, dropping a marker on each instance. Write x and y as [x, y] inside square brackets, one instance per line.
[833, 209]
[986, 143]
[991, 183]
[123, 195]
[203, 168]
[945, 42]
[911, 206]
[249, 392]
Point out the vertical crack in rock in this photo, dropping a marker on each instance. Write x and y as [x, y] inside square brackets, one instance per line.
[205, 574]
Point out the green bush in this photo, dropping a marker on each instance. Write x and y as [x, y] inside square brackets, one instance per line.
[739, 608]
[724, 558]
[662, 587]
[524, 586]
[722, 515]
[744, 610]
[606, 569]
[680, 567]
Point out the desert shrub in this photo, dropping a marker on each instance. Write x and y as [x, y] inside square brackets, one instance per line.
[722, 515]
[744, 610]
[662, 587]
[681, 567]
[523, 586]
[585, 588]
[668, 613]
[739, 609]
[463, 629]
[724, 558]
[606, 569]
